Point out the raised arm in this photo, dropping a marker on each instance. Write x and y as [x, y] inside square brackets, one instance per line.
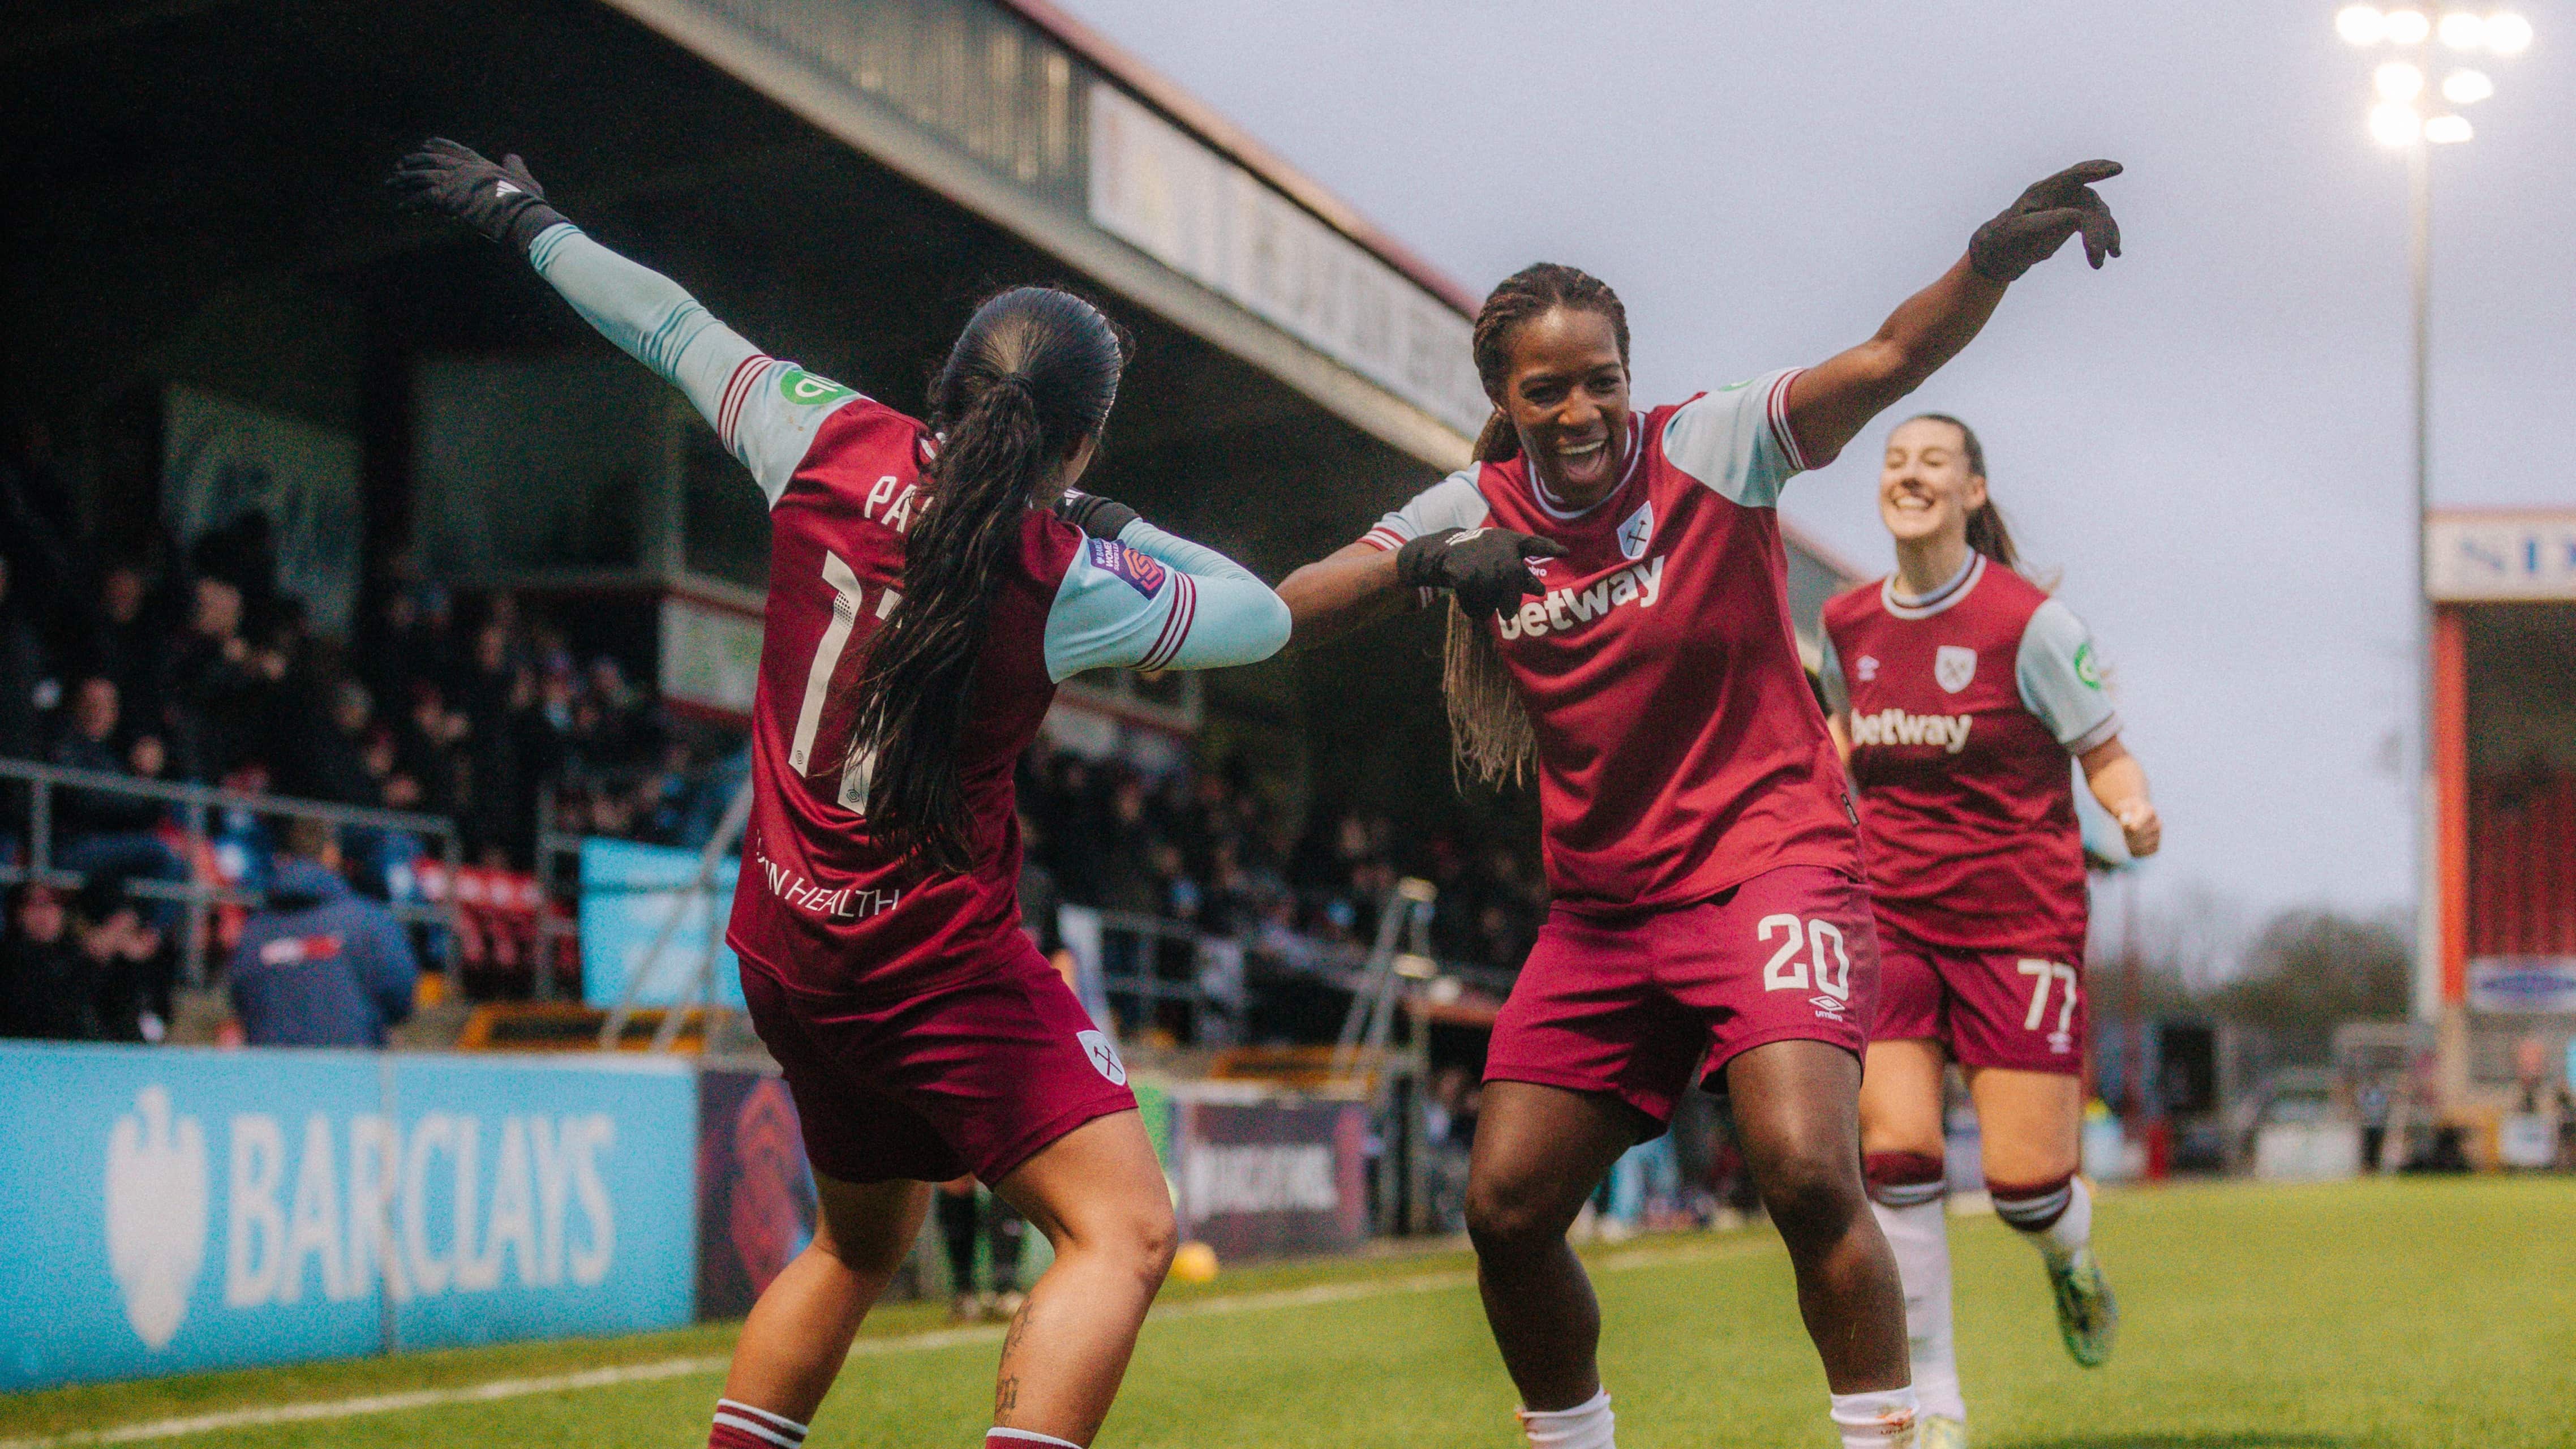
[1830, 403]
[1437, 541]
[764, 410]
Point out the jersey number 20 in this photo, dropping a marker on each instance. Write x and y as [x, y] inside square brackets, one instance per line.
[1823, 943]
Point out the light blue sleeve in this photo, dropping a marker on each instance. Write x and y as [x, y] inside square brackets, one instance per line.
[1148, 600]
[1737, 440]
[765, 412]
[1829, 674]
[2061, 680]
[1453, 502]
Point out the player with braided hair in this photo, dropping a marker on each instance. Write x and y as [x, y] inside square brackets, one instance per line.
[1620, 621]
[931, 583]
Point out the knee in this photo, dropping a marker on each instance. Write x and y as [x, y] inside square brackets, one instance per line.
[1814, 1195]
[1138, 1237]
[1513, 1218]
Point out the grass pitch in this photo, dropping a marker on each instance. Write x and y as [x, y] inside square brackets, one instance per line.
[2410, 1315]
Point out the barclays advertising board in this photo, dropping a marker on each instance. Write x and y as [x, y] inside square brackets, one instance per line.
[165, 1210]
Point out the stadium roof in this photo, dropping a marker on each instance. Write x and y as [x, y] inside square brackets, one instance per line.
[1213, 127]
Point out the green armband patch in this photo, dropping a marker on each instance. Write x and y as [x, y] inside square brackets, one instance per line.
[805, 389]
[2087, 668]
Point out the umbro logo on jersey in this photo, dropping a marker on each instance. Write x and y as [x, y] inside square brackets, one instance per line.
[1953, 667]
[1866, 667]
[1896, 727]
[1638, 531]
[1565, 609]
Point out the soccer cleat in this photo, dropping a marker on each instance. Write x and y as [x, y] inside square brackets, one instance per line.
[2088, 1317]
[1940, 1431]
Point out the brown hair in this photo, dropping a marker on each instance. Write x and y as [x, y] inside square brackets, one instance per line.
[1490, 739]
[1986, 531]
[1033, 375]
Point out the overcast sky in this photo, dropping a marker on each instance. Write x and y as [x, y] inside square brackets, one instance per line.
[2209, 438]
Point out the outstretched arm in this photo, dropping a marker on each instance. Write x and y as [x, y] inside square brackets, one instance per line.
[1437, 541]
[764, 411]
[1830, 403]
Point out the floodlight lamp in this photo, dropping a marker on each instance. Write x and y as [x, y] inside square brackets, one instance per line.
[2395, 125]
[2467, 87]
[2361, 24]
[2447, 130]
[2408, 27]
[2463, 31]
[2508, 33]
[2398, 81]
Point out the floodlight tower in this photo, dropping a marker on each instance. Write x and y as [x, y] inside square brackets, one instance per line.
[2413, 115]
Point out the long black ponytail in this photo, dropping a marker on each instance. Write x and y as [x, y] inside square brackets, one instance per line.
[1030, 380]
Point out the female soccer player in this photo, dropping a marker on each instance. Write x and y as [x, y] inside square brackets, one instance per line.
[924, 601]
[1622, 617]
[1959, 688]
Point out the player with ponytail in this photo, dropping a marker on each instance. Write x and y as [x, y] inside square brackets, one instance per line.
[1620, 626]
[929, 587]
[1959, 691]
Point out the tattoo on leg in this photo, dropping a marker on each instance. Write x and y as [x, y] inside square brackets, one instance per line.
[1006, 1395]
[1019, 1327]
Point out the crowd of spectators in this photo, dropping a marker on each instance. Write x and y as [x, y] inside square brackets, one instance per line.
[1207, 850]
[191, 663]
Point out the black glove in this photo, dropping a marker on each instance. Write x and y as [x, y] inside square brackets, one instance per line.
[503, 202]
[2032, 229]
[1486, 568]
[1100, 517]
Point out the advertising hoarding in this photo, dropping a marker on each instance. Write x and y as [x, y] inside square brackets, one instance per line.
[164, 1210]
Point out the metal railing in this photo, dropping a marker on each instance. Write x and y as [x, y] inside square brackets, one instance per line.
[194, 805]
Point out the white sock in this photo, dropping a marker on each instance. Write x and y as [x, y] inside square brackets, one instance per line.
[1920, 1238]
[1881, 1420]
[1585, 1426]
[2069, 1231]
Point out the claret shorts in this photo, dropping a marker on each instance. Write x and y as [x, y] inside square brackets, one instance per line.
[975, 1076]
[2019, 1009]
[1636, 1003]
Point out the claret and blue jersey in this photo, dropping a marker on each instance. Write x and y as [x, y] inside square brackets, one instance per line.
[1964, 707]
[1681, 751]
[822, 907]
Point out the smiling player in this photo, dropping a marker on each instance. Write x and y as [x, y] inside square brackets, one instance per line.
[1709, 920]
[1962, 688]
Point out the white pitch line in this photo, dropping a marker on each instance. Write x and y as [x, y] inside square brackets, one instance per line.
[495, 1390]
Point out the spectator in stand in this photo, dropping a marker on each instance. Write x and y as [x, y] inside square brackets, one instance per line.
[48, 988]
[128, 643]
[103, 832]
[125, 948]
[214, 692]
[320, 965]
[27, 685]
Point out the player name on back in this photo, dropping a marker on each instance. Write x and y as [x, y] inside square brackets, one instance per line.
[1566, 609]
[1896, 727]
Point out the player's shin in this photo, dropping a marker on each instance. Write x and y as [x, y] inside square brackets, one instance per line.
[1907, 1196]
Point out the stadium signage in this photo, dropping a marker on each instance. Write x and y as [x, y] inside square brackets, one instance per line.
[2523, 985]
[2471, 557]
[173, 1209]
[1268, 1178]
[1159, 189]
